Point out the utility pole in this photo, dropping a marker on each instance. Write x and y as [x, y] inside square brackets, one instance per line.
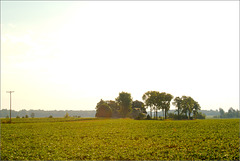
[10, 102]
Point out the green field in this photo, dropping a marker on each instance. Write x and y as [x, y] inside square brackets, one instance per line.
[119, 139]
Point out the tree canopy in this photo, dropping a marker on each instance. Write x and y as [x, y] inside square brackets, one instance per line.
[103, 109]
[124, 106]
[125, 102]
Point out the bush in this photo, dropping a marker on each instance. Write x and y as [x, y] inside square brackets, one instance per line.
[201, 115]
[104, 110]
[26, 116]
[67, 115]
[148, 117]
[50, 116]
[140, 116]
[181, 116]
[17, 117]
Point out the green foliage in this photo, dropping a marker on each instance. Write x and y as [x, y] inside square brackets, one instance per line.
[120, 139]
[178, 103]
[26, 116]
[200, 115]
[148, 117]
[50, 116]
[103, 109]
[157, 101]
[177, 117]
[140, 116]
[66, 115]
[125, 102]
[32, 115]
[115, 108]
[232, 113]
[139, 105]
[17, 117]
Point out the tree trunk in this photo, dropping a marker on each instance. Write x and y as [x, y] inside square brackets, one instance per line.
[178, 115]
[165, 114]
[156, 114]
[151, 111]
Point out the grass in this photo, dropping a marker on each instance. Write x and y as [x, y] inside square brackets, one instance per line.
[119, 139]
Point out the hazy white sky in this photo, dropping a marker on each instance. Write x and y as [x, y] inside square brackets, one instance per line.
[68, 55]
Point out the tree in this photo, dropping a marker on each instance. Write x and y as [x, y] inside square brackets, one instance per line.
[148, 100]
[155, 99]
[103, 109]
[99, 104]
[125, 102]
[187, 105]
[135, 113]
[66, 115]
[166, 99]
[158, 101]
[196, 108]
[178, 103]
[221, 112]
[114, 107]
[137, 110]
[139, 105]
[32, 115]
[26, 116]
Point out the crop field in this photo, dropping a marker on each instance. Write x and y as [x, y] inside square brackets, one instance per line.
[119, 139]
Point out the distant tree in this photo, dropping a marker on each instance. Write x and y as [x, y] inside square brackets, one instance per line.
[26, 116]
[103, 109]
[140, 116]
[148, 117]
[114, 107]
[187, 104]
[99, 104]
[125, 102]
[32, 115]
[7, 117]
[135, 113]
[50, 116]
[196, 108]
[200, 115]
[232, 113]
[221, 112]
[166, 102]
[17, 117]
[156, 98]
[148, 100]
[139, 105]
[66, 115]
[178, 103]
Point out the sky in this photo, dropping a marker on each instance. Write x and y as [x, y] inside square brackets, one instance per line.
[63, 55]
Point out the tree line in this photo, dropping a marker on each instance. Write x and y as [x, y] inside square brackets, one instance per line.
[231, 113]
[124, 106]
[4, 113]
